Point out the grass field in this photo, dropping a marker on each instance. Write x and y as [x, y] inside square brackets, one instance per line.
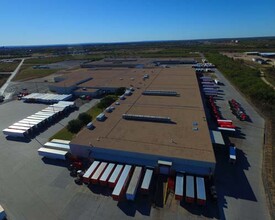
[27, 72]
[65, 134]
[3, 79]
[270, 75]
[48, 60]
[8, 67]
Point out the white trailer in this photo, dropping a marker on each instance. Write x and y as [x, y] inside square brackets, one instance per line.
[90, 172]
[134, 183]
[24, 125]
[14, 133]
[35, 118]
[106, 174]
[190, 191]
[201, 195]
[40, 116]
[95, 177]
[179, 186]
[57, 146]
[29, 122]
[226, 129]
[145, 185]
[52, 153]
[32, 120]
[115, 175]
[49, 114]
[60, 141]
[122, 182]
[19, 128]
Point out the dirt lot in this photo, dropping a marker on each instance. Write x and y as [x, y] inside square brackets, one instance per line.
[245, 57]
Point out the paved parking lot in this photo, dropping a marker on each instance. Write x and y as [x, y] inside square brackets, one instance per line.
[240, 187]
[32, 188]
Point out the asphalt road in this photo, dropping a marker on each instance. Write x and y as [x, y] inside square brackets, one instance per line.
[240, 187]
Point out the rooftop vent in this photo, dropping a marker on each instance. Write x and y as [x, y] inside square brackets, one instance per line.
[160, 93]
[146, 118]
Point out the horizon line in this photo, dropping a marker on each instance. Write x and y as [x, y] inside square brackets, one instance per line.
[129, 42]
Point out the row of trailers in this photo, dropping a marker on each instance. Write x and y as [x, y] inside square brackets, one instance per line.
[55, 149]
[29, 125]
[46, 97]
[125, 180]
[191, 188]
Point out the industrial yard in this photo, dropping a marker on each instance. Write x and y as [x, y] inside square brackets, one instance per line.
[156, 152]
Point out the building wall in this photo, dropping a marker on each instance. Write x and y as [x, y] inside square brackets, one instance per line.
[92, 94]
[189, 166]
[62, 90]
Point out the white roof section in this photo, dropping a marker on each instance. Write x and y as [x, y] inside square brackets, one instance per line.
[47, 97]
[216, 137]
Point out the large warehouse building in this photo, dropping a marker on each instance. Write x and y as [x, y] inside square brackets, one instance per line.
[152, 127]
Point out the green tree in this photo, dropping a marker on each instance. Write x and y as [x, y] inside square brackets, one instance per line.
[106, 101]
[75, 126]
[120, 91]
[85, 117]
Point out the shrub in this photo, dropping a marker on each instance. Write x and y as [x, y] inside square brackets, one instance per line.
[75, 126]
[85, 118]
[106, 101]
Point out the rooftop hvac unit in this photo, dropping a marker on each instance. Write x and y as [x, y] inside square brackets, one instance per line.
[160, 93]
[146, 118]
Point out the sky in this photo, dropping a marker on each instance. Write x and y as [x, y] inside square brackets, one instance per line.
[43, 22]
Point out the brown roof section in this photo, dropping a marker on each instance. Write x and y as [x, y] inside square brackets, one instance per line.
[177, 139]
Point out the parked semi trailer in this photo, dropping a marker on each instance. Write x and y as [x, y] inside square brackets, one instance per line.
[201, 195]
[103, 180]
[14, 132]
[57, 146]
[179, 186]
[97, 174]
[134, 183]
[115, 175]
[145, 185]
[60, 141]
[52, 153]
[122, 183]
[90, 172]
[190, 191]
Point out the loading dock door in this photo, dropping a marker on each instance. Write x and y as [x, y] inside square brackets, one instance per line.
[164, 167]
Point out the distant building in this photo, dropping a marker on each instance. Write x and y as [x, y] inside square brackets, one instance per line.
[253, 53]
[269, 55]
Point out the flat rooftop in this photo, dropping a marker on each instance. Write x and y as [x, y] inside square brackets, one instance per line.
[177, 139]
